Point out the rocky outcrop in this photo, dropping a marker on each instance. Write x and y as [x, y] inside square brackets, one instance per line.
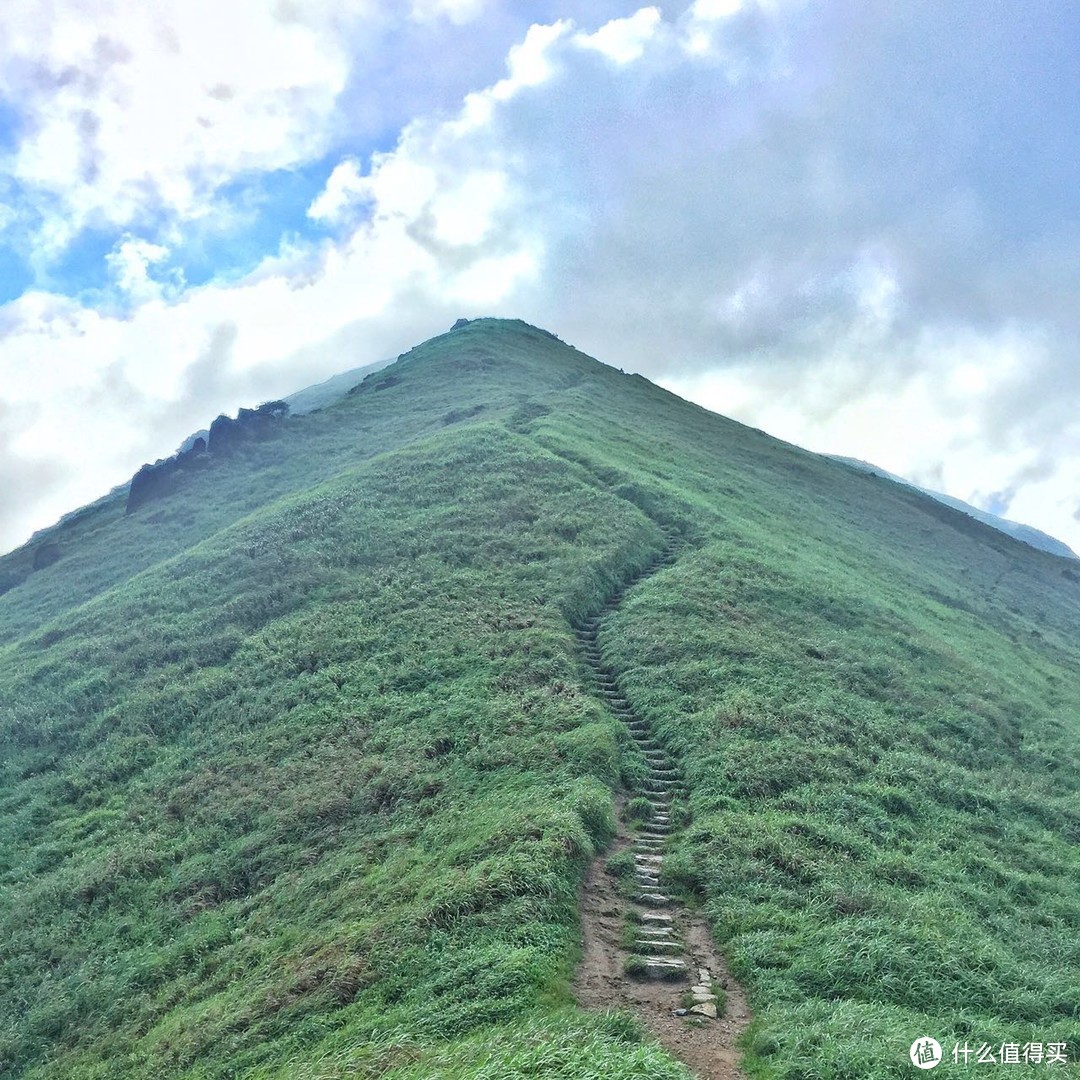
[226, 433]
[157, 481]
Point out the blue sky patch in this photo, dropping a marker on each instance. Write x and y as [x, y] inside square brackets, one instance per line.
[9, 127]
[15, 276]
[265, 209]
[82, 265]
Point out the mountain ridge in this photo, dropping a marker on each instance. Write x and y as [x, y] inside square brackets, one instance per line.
[1026, 534]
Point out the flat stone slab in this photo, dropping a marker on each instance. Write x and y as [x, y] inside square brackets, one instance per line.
[655, 917]
[706, 1008]
[664, 963]
[655, 900]
[702, 990]
[704, 976]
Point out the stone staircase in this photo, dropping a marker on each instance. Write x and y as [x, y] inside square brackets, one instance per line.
[658, 950]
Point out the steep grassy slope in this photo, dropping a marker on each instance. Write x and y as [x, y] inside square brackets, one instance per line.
[301, 771]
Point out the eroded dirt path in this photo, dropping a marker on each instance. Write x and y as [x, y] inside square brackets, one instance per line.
[675, 966]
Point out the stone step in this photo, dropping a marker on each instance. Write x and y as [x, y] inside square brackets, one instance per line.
[663, 965]
[656, 918]
[647, 945]
[658, 932]
[654, 899]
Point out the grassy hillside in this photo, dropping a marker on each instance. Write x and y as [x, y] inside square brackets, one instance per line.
[301, 769]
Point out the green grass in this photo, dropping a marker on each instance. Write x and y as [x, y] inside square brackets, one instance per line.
[300, 769]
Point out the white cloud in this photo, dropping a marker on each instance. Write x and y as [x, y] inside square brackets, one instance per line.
[130, 263]
[345, 187]
[623, 40]
[137, 109]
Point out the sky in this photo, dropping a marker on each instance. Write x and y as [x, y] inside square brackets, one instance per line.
[852, 223]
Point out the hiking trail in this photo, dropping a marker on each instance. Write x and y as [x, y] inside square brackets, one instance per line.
[644, 951]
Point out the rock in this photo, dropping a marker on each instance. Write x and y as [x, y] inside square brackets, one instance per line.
[703, 976]
[679, 1012]
[706, 1008]
[702, 990]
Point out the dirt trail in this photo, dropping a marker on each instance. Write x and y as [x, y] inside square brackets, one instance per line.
[676, 966]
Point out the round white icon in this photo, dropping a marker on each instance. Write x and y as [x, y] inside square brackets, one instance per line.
[925, 1053]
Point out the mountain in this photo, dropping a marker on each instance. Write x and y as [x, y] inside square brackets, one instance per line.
[324, 758]
[1024, 533]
